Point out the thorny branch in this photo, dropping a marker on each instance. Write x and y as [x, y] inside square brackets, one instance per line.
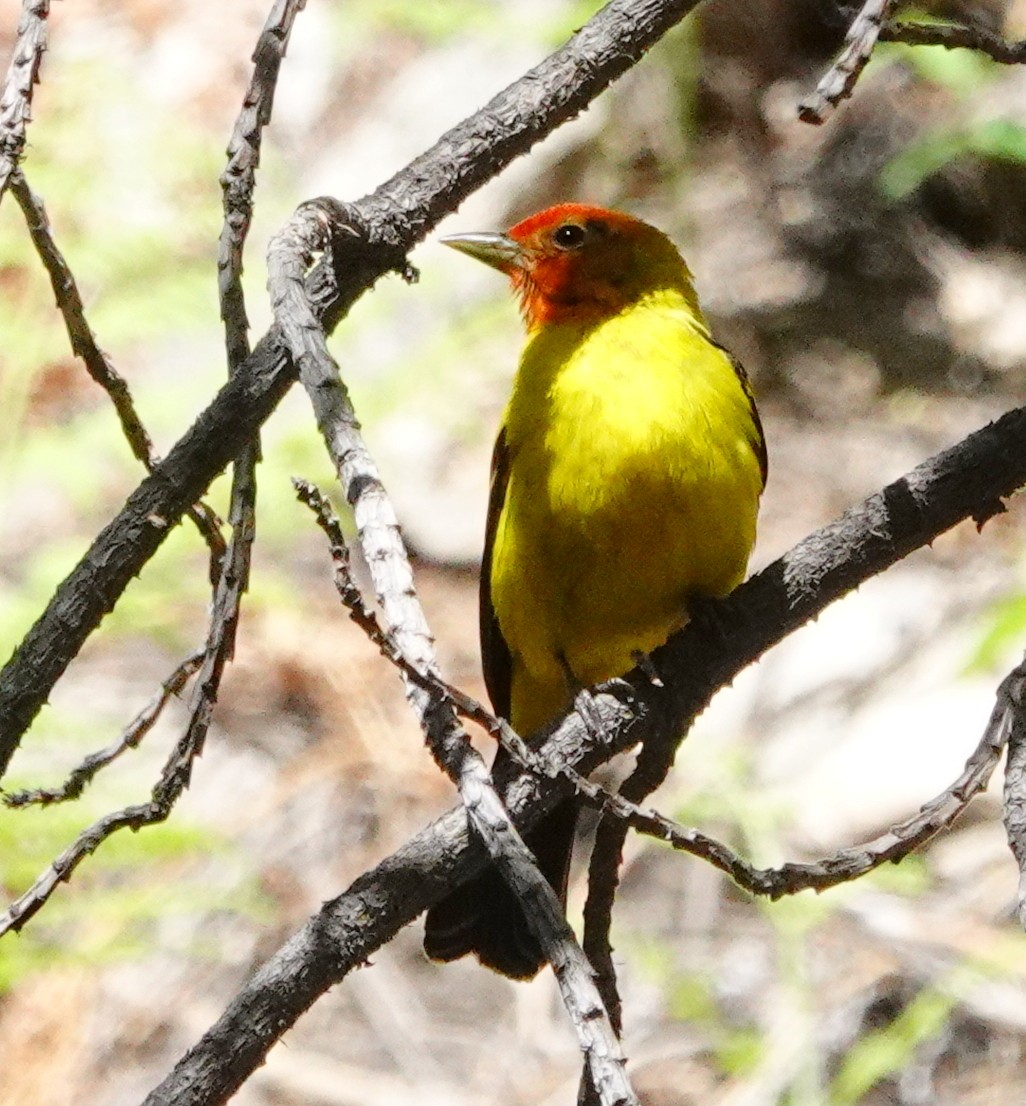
[238, 181]
[935, 815]
[233, 564]
[16, 94]
[1013, 692]
[871, 25]
[165, 793]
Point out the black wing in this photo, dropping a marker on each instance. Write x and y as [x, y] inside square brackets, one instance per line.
[759, 444]
[495, 655]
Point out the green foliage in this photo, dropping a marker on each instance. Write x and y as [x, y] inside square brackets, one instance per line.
[690, 997]
[1002, 635]
[436, 21]
[962, 72]
[100, 918]
[432, 20]
[995, 140]
[886, 1052]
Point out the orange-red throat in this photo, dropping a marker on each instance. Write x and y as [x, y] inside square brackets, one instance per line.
[579, 263]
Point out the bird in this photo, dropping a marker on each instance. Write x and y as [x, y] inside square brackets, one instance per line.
[625, 483]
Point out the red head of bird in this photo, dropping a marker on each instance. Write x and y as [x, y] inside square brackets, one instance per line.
[580, 263]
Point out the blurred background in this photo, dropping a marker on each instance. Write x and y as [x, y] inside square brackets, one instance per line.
[869, 273]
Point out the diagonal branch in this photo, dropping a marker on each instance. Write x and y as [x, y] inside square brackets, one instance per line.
[131, 736]
[386, 225]
[934, 816]
[232, 564]
[97, 363]
[135, 817]
[434, 702]
[966, 481]
[22, 75]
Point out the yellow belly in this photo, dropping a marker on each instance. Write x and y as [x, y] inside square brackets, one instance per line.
[634, 483]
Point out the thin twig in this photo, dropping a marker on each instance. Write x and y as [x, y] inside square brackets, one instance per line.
[97, 363]
[233, 564]
[172, 781]
[22, 75]
[238, 181]
[80, 334]
[604, 881]
[130, 738]
[238, 184]
[839, 81]
[934, 816]
[175, 774]
[452, 749]
[955, 36]
[24, 908]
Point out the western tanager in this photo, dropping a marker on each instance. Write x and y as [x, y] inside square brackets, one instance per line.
[625, 479]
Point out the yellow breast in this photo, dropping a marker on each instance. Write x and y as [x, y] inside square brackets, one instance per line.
[634, 483]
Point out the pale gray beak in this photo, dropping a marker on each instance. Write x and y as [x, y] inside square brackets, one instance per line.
[497, 250]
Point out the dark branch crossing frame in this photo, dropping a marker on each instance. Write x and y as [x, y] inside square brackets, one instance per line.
[361, 242]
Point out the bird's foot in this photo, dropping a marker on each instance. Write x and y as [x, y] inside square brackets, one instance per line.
[586, 707]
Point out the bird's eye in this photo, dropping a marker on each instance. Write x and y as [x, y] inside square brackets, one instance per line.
[569, 236]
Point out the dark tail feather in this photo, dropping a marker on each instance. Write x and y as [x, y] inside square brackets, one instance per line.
[484, 916]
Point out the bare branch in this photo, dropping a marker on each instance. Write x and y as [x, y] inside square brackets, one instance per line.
[934, 816]
[955, 36]
[165, 793]
[233, 579]
[22, 75]
[175, 774]
[26, 906]
[97, 363]
[238, 182]
[131, 737]
[232, 576]
[385, 225]
[839, 81]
